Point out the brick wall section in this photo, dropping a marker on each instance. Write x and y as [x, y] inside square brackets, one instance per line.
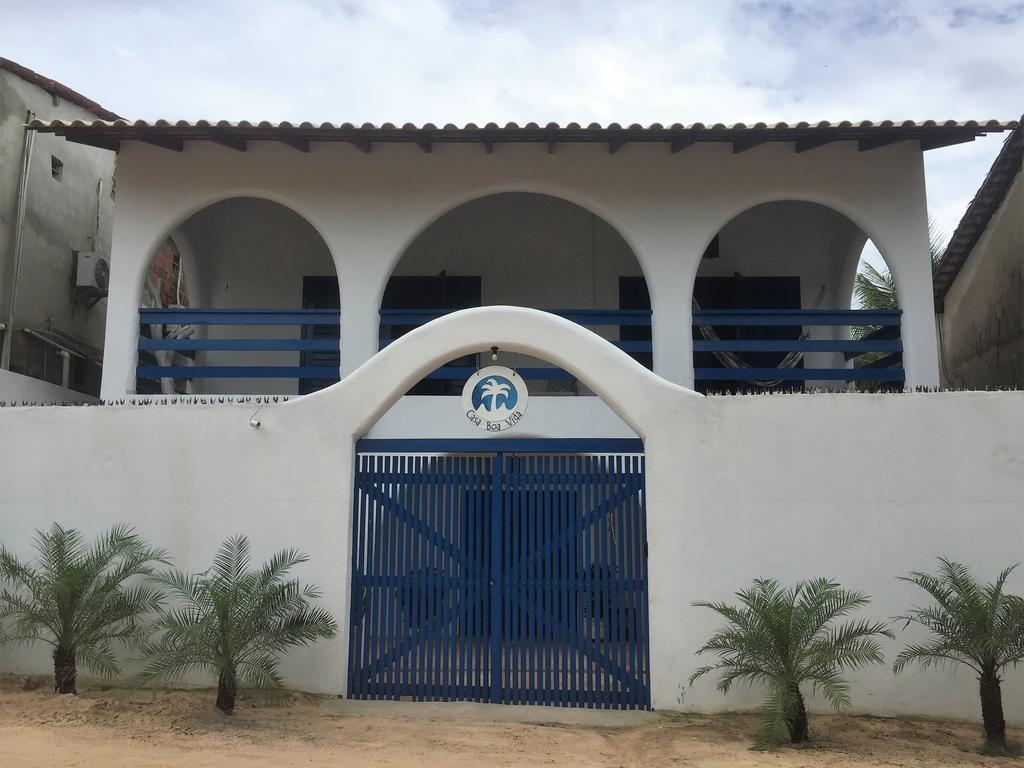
[163, 270]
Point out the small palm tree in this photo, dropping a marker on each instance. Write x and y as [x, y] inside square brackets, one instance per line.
[234, 622]
[75, 596]
[784, 639]
[977, 625]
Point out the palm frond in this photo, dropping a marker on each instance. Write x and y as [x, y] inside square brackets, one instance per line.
[970, 623]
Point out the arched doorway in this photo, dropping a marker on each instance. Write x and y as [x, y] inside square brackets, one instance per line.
[521, 249]
[242, 298]
[772, 306]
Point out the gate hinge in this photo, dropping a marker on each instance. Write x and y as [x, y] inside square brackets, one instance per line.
[645, 549]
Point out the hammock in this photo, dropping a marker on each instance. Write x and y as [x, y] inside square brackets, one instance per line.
[732, 360]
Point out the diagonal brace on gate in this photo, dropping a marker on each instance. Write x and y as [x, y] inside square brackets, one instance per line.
[430, 534]
[624, 677]
[388, 657]
[627, 489]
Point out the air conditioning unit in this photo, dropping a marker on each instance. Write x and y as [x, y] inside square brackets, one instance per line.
[92, 273]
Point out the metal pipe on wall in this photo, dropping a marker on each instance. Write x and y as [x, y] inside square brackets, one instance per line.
[19, 229]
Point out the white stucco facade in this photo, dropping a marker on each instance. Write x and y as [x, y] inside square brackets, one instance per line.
[370, 209]
[862, 488]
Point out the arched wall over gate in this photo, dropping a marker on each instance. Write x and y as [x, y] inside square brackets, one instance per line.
[643, 400]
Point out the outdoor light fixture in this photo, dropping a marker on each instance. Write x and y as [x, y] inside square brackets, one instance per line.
[494, 354]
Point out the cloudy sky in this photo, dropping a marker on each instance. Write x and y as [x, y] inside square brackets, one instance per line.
[543, 60]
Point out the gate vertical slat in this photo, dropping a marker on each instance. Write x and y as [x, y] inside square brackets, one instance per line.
[474, 522]
[519, 585]
[398, 574]
[437, 647]
[614, 585]
[482, 591]
[385, 571]
[602, 557]
[484, 538]
[573, 574]
[639, 573]
[601, 611]
[558, 500]
[394, 492]
[459, 570]
[357, 598]
[536, 587]
[600, 561]
[401, 487]
[377, 572]
[447, 632]
[391, 582]
[640, 594]
[427, 580]
[618, 542]
[586, 489]
[514, 510]
[455, 598]
[505, 522]
[547, 628]
[469, 579]
[405, 579]
[629, 574]
[374, 592]
[564, 521]
[536, 582]
[521, 510]
[494, 667]
[415, 568]
[513, 501]
[644, 624]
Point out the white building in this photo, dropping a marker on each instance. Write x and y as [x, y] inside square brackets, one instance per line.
[56, 208]
[555, 563]
[736, 217]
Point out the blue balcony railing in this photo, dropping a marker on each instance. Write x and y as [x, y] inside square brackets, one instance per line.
[317, 352]
[770, 345]
[730, 345]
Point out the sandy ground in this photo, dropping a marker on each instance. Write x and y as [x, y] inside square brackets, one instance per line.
[117, 727]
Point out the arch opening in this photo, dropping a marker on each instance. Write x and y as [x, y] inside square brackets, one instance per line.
[241, 298]
[775, 310]
[521, 249]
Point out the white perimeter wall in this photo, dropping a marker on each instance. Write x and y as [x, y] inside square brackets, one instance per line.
[862, 488]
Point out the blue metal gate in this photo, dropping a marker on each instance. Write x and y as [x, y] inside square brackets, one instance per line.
[515, 575]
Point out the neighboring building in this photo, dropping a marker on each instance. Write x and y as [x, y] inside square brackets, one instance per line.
[56, 204]
[979, 286]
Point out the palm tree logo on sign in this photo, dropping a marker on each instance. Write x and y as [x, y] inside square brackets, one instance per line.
[495, 398]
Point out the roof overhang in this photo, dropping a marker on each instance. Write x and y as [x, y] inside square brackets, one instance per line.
[930, 134]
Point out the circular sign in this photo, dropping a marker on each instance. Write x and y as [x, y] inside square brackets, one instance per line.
[495, 398]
